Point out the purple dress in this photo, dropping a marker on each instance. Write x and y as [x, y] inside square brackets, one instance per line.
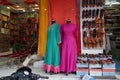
[69, 48]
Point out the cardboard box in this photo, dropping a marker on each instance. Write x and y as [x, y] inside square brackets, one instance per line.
[83, 58]
[95, 65]
[97, 58]
[82, 65]
[109, 65]
[109, 74]
[95, 72]
[81, 71]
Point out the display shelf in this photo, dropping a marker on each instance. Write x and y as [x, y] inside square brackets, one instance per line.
[96, 65]
[4, 33]
[92, 26]
[4, 42]
[112, 20]
[114, 41]
[115, 32]
[117, 42]
[24, 28]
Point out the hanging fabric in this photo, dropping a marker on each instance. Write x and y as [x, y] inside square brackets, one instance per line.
[78, 25]
[30, 1]
[6, 2]
[61, 10]
[43, 25]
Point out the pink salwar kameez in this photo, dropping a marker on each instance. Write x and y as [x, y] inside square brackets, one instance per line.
[69, 48]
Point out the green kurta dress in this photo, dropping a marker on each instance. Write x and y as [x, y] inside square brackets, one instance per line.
[52, 55]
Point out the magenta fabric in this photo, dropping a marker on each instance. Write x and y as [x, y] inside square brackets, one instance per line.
[68, 48]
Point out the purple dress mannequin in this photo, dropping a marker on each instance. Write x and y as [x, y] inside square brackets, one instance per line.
[69, 48]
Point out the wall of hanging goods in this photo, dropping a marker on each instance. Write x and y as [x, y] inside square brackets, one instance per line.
[92, 25]
[4, 29]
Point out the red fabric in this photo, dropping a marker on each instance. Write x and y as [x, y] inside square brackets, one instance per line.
[61, 10]
[78, 25]
[30, 1]
[6, 2]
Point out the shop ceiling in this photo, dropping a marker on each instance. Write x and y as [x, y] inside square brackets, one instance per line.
[29, 5]
[21, 5]
[112, 7]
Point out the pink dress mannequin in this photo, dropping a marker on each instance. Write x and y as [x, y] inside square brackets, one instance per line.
[68, 48]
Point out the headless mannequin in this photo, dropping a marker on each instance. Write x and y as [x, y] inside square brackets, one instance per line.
[53, 21]
[68, 21]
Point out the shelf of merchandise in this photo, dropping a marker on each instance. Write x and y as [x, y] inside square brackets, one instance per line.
[115, 32]
[112, 20]
[24, 28]
[115, 40]
[96, 65]
[4, 30]
[90, 13]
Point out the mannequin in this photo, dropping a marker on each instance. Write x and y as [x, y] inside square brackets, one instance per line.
[52, 55]
[53, 21]
[68, 47]
[68, 21]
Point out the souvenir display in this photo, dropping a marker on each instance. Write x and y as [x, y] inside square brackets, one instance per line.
[92, 23]
[95, 65]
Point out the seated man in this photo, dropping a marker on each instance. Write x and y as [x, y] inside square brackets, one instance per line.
[32, 56]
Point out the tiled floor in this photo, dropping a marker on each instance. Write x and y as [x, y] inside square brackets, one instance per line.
[37, 68]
